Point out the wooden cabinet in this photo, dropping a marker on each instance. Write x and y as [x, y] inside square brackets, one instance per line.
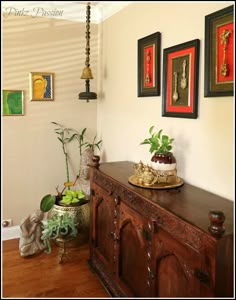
[159, 243]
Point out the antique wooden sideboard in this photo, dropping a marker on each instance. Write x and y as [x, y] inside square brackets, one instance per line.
[159, 242]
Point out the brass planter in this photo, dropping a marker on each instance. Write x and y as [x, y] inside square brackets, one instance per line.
[81, 214]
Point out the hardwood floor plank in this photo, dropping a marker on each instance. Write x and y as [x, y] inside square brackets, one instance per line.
[42, 276]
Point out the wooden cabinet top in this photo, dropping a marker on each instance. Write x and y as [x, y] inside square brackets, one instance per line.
[187, 202]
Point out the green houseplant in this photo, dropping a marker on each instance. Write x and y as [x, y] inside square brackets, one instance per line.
[67, 135]
[90, 148]
[160, 146]
[159, 143]
[55, 227]
[68, 207]
[75, 197]
[62, 228]
[66, 213]
[94, 145]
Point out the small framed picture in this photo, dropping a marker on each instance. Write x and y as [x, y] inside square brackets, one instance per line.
[180, 80]
[41, 86]
[219, 53]
[13, 102]
[149, 49]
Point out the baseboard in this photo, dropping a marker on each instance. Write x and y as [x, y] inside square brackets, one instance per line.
[9, 233]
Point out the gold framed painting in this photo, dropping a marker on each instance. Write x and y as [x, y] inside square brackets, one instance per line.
[149, 53]
[180, 80]
[41, 86]
[219, 53]
[12, 103]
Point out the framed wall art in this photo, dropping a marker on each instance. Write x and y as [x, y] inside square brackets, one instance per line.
[180, 80]
[41, 86]
[149, 49]
[12, 103]
[219, 53]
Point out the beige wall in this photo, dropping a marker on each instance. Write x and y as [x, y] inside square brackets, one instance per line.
[33, 161]
[204, 147]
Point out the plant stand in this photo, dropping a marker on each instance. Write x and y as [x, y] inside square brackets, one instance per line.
[62, 241]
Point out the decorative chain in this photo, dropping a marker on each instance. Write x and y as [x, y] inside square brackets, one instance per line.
[87, 49]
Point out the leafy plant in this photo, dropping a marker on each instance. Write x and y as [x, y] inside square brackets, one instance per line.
[82, 143]
[72, 197]
[93, 146]
[55, 226]
[66, 135]
[159, 143]
[47, 202]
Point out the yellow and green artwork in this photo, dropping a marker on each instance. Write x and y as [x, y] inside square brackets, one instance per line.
[12, 103]
[41, 86]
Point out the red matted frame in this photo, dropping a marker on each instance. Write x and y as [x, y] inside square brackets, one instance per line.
[180, 80]
[149, 49]
[219, 53]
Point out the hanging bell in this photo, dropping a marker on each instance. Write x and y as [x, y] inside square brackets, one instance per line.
[87, 73]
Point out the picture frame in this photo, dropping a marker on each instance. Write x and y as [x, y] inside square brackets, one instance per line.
[41, 86]
[180, 80]
[219, 53]
[12, 102]
[149, 55]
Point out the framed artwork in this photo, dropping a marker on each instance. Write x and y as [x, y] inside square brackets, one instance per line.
[149, 49]
[180, 80]
[41, 86]
[12, 103]
[219, 53]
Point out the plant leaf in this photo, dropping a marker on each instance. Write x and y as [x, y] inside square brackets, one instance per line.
[47, 202]
[151, 129]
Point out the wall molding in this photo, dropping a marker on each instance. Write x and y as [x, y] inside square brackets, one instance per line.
[9, 233]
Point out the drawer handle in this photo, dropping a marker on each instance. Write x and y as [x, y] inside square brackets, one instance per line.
[116, 238]
[202, 276]
[117, 200]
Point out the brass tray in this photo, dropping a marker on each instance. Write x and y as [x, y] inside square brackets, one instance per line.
[161, 185]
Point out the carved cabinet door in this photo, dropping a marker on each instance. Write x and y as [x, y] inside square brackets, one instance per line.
[175, 266]
[131, 248]
[103, 228]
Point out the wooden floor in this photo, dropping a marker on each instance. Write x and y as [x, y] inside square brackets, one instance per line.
[42, 276]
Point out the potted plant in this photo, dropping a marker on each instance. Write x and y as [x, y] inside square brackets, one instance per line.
[65, 136]
[72, 200]
[160, 147]
[67, 218]
[69, 198]
[62, 228]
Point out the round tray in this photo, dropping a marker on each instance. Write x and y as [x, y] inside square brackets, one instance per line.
[162, 185]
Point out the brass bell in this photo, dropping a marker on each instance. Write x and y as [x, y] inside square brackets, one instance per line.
[87, 73]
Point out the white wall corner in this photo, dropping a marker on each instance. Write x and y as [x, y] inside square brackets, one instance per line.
[9, 233]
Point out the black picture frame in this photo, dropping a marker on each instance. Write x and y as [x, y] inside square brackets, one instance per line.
[219, 56]
[180, 80]
[149, 55]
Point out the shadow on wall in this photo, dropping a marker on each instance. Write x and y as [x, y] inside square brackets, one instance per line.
[47, 45]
